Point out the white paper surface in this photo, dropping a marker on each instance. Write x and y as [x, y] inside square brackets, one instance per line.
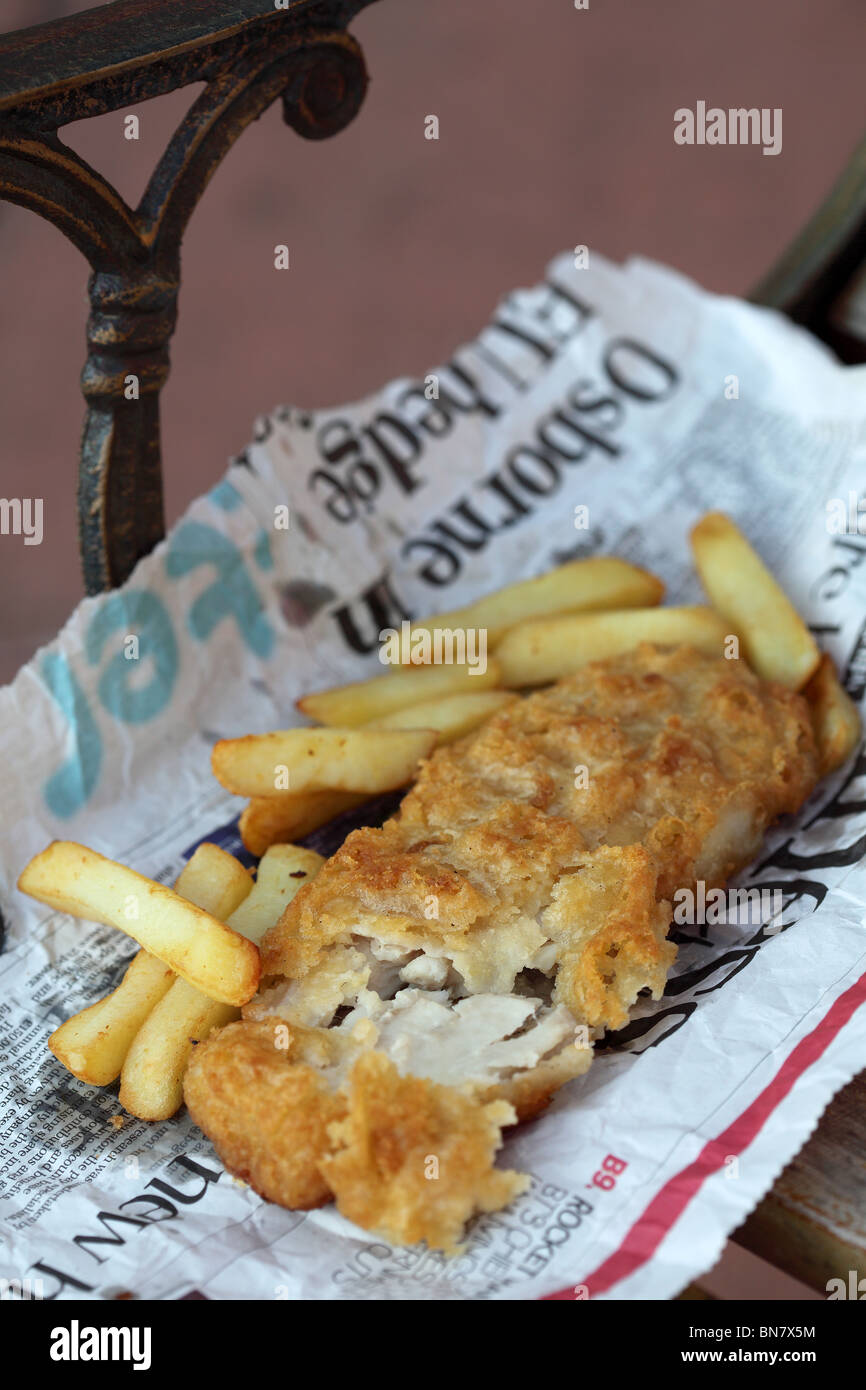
[624, 390]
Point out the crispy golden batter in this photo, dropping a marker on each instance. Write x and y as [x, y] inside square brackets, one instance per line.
[414, 1161]
[267, 1097]
[518, 899]
[682, 758]
[301, 1123]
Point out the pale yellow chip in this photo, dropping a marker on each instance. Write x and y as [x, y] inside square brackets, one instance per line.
[776, 642]
[94, 1043]
[282, 871]
[450, 717]
[152, 1078]
[599, 582]
[203, 950]
[835, 717]
[548, 648]
[275, 820]
[307, 760]
[351, 705]
[215, 881]
[151, 1082]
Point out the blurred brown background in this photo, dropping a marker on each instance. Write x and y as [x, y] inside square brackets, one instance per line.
[556, 128]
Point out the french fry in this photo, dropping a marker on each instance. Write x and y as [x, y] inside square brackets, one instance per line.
[283, 870]
[152, 1078]
[287, 816]
[151, 1082]
[274, 820]
[776, 642]
[190, 941]
[541, 651]
[214, 881]
[599, 582]
[347, 760]
[93, 1044]
[835, 717]
[451, 717]
[347, 706]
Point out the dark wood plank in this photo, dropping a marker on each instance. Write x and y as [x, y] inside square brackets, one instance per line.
[813, 1222]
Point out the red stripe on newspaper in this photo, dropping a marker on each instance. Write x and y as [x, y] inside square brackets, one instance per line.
[650, 1229]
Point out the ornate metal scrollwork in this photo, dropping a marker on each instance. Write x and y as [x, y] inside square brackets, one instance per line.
[248, 54]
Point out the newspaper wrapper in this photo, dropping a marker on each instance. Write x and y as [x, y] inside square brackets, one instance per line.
[601, 412]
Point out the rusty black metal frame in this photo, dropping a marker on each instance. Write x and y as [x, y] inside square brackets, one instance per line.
[816, 276]
[248, 53]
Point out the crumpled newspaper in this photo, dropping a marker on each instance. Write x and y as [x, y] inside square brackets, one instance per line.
[602, 411]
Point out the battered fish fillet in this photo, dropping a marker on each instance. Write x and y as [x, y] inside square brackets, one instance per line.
[443, 975]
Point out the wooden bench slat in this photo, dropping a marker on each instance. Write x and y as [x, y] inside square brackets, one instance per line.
[812, 1223]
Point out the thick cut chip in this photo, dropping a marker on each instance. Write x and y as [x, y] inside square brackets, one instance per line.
[215, 881]
[152, 1077]
[358, 703]
[604, 581]
[283, 870]
[451, 717]
[77, 880]
[835, 717]
[94, 1044]
[546, 650]
[277, 820]
[778, 644]
[310, 760]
